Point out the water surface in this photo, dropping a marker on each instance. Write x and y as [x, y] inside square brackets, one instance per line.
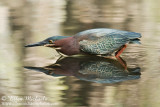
[83, 82]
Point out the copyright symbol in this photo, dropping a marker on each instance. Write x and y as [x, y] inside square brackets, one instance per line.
[3, 98]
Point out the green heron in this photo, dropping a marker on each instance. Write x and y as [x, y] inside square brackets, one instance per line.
[94, 69]
[100, 41]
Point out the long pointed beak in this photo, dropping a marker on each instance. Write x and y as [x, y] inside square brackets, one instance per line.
[39, 69]
[42, 43]
[35, 68]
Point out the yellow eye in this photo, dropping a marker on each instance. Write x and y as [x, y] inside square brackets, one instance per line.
[50, 41]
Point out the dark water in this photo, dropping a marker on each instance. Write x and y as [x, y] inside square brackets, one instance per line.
[78, 81]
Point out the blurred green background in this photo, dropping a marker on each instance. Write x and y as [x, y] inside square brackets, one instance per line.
[27, 21]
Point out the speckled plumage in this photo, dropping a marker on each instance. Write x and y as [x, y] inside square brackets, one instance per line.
[103, 45]
[104, 41]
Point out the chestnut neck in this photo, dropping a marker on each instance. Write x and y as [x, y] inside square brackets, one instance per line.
[68, 46]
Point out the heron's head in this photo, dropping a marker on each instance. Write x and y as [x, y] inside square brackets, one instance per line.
[47, 42]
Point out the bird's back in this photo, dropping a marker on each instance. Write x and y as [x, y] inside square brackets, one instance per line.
[99, 32]
[104, 41]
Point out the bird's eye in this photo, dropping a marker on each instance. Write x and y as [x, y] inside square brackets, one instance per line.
[50, 41]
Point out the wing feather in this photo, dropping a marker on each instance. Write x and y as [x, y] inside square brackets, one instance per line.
[103, 44]
[103, 41]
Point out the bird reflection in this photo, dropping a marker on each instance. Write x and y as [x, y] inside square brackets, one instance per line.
[94, 69]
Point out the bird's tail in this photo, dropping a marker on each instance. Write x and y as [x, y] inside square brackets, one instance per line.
[133, 35]
[134, 71]
[135, 41]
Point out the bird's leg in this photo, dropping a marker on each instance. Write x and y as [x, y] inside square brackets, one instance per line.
[122, 62]
[118, 53]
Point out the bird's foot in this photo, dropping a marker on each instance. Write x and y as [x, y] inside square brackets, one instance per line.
[110, 57]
